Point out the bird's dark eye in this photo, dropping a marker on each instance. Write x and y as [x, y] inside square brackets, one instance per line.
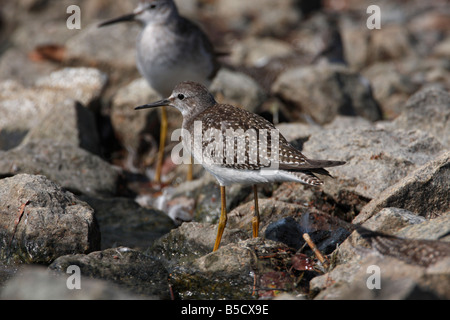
[152, 6]
[181, 96]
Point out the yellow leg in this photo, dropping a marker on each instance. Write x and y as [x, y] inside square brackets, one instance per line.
[190, 174]
[223, 218]
[255, 220]
[162, 144]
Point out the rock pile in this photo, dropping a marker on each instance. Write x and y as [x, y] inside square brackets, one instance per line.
[76, 160]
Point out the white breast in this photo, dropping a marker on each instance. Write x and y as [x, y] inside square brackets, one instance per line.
[164, 61]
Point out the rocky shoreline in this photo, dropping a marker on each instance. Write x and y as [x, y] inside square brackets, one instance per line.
[76, 160]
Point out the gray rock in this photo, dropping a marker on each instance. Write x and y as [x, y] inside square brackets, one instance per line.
[390, 220]
[345, 122]
[402, 224]
[327, 91]
[124, 223]
[442, 49]
[238, 89]
[110, 48]
[235, 271]
[194, 269]
[73, 168]
[232, 262]
[413, 260]
[84, 85]
[423, 192]
[261, 19]
[428, 28]
[27, 205]
[137, 272]
[353, 36]
[376, 158]
[267, 70]
[389, 43]
[138, 132]
[25, 35]
[399, 281]
[391, 88]
[39, 283]
[24, 10]
[297, 131]
[379, 157]
[15, 65]
[427, 71]
[70, 123]
[434, 229]
[295, 193]
[421, 252]
[428, 110]
[256, 52]
[190, 241]
[22, 109]
[189, 8]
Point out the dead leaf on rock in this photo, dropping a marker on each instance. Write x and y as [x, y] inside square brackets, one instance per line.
[302, 262]
[49, 52]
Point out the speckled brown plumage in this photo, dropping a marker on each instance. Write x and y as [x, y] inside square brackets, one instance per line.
[215, 144]
[217, 120]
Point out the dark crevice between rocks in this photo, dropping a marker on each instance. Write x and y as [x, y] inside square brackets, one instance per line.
[346, 208]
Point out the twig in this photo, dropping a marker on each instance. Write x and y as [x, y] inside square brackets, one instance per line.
[314, 248]
[255, 281]
[172, 295]
[17, 220]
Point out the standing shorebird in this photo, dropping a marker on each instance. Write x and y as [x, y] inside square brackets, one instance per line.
[170, 49]
[237, 146]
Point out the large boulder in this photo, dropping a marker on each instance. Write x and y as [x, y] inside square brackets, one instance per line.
[138, 131]
[39, 283]
[40, 221]
[424, 191]
[68, 122]
[71, 167]
[428, 110]
[137, 272]
[326, 91]
[123, 222]
[376, 157]
[52, 99]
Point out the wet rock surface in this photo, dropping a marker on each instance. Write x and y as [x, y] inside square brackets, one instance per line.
[123, 222]
[41, 221]
[76, 160]
[131, 269]
[39, 283]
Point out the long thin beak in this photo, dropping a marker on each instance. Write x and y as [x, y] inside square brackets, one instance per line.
[126, 18]
[161, 103]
